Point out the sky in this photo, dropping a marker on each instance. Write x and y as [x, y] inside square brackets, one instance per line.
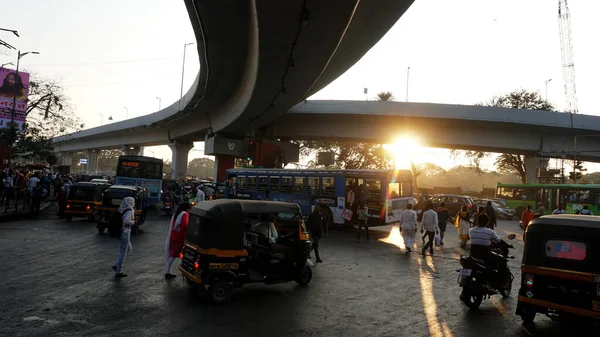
[114, 58]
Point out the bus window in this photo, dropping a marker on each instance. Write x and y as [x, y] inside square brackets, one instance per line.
[406, 189]
[394, 190]
[286, 184]
[328, 186]
[263, 183]
[373, 190]
[275, 184]
[251, 183]
[241, 181]
[299, 183]
[313, 185]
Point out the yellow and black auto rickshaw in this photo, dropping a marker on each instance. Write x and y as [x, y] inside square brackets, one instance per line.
[230, 243]
[109, 216]
[560, 274]
[84, 200]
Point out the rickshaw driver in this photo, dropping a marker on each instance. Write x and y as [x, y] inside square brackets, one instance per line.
[481, 240]
[269, 231]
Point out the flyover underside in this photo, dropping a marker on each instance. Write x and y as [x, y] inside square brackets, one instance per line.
[441, 133]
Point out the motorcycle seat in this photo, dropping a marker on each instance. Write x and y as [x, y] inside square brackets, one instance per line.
[480, 262]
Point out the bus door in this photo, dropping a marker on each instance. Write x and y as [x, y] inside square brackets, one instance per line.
[397, 198]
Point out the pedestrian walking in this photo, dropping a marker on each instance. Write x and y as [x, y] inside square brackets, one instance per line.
[127, 221]
[462, 223]
[200, 196]
[37, 195]
[363, 218]
[430, 225]
[408, 226]
[316, 226]
[443, 216]
[491, 213]
[7, 184]
[176, 236]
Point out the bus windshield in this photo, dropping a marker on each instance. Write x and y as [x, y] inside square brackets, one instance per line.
[139, 169]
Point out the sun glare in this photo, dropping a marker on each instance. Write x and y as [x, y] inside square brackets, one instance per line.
[403, 149]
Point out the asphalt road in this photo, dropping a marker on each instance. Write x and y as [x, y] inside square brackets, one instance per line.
[57, 281]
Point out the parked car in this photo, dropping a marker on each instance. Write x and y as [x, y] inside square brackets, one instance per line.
[454, 202]
[502, 211]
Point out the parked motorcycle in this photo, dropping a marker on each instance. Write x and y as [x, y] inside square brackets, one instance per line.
[479, 280]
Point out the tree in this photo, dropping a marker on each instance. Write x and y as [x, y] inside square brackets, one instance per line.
[385, 96]
[350, 155]
[48, 115]
[203, 168]
[513, 163]
[108, 159]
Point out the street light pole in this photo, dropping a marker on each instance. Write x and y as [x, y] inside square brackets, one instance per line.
[407, 78]
[126, 112]
[183, 70]
[547, 88]
[159, 101]
[101, 119]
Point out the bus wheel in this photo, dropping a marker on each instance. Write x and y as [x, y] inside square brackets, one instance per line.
[329, 216]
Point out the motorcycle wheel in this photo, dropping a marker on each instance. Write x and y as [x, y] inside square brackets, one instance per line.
[471, 300]
[507, 286]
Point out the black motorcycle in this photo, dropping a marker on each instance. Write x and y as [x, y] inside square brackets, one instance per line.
[168, 204]
[479, 279]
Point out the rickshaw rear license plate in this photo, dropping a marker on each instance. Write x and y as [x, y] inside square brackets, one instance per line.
[465, 272]
[223, 266]
[596, 305]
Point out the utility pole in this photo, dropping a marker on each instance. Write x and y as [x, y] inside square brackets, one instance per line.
[407, 81]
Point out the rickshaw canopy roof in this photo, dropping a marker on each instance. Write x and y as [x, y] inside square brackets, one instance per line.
[123, 190]
[218, 209]
[570, 220]
[86, 185]
[546, 232]
[221, 223]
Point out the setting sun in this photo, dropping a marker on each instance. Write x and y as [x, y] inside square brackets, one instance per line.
[402, 149]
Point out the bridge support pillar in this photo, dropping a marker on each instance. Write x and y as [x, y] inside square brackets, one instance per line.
[65, 158]
[179, 158]
[532, 167]
[92, 161]
[131, 150]
[222, 164]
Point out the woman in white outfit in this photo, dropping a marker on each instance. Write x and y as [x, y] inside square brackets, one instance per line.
[408, 225]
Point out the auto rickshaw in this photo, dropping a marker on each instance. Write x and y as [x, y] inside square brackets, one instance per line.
[84, 200]
[109, 216]
[560, 273]
[230, 243]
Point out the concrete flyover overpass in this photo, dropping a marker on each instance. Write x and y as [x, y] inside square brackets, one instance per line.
[258, 58]
[528, 132]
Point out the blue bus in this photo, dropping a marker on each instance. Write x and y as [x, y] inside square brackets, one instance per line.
[141, 171]
[385, 192]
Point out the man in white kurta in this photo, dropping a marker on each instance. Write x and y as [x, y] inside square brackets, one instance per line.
[408, 224]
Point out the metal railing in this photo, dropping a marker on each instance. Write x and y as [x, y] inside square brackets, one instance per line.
[18, 201]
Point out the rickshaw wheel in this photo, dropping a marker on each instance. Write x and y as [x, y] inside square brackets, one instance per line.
[220, 291]
[471, 300]
[507, 286]
[306, 277]
[100, 230]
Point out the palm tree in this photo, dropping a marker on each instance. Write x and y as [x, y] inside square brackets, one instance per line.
[385, 96]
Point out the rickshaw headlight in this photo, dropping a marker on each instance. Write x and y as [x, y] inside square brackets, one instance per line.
[529, 280]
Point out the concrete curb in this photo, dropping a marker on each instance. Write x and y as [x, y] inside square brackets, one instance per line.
[22, 215]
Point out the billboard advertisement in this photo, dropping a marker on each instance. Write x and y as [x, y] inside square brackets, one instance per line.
[13, 85]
